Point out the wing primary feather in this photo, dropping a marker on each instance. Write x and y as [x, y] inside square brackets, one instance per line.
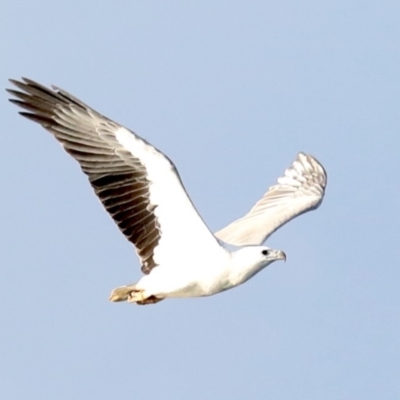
[90, 138]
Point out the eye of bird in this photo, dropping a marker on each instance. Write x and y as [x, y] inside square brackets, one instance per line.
[265, 252]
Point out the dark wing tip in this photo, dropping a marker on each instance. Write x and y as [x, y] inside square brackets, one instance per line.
[13, 91]
[44, 121]
[32, 87]
[20, 84]
[14, 81]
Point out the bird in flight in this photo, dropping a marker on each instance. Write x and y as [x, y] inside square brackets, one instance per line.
[141, 189]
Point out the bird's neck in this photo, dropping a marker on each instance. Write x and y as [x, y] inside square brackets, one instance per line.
[241, 272]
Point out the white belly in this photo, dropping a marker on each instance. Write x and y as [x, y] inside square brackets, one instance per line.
[189, 281]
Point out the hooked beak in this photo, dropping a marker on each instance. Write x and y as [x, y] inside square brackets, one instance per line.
[280, 255]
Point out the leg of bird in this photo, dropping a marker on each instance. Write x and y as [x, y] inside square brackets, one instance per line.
[149, 300]
[136, 296]
[130, 294]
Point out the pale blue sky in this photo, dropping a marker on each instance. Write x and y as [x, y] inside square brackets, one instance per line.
[231, 91]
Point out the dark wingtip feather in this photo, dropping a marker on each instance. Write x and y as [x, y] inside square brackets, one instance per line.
[13, 92]
[44, 121]
[13, 81]
[18, 84]
[18, 103]
[19, 95]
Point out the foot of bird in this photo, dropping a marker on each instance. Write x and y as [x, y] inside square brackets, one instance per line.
[135, 296]
[130, 294]
[123, 293]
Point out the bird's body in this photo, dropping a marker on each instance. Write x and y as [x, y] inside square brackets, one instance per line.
[142, 191]
[200, 275]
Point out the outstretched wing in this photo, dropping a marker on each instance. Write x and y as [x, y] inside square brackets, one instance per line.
[137, 184]
[301, 189]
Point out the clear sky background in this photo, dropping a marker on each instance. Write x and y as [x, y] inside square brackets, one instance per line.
[231, 91]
